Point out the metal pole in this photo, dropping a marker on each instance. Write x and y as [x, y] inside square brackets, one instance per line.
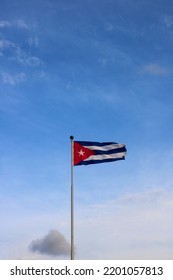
[72, 202]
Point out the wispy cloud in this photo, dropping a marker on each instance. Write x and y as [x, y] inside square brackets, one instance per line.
[140, 225]
[154, 69]
[4, 23]
[53, 244]
[33, 41]
[19, 55]
[168, 21]
[20, 23]
[13, 79]
[109, 27]
[25, 59]
[6, 44]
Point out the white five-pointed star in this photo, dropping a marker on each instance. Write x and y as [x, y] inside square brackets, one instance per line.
[81, 153]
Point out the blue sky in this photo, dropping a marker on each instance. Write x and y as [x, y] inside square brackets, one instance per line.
[100, 70]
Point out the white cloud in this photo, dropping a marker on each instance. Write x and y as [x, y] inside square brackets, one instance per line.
[33, 41]
[109, 27]
[14, 79]
[103, 61]
[19, 55]
[168, 21]
[154, 69]
[4, 23]
[5, 44]
[134, 226]
[26, 60]
[20, 23]
[137, 225]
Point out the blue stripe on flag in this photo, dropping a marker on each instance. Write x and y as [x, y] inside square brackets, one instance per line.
[100, 144]
[99, 161]
[118, 150]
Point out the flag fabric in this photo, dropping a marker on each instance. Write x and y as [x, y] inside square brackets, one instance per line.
[85, 152]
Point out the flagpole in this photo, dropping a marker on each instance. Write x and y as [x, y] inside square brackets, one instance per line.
[72, 201]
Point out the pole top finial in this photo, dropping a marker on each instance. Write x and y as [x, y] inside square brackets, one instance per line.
[71, 137]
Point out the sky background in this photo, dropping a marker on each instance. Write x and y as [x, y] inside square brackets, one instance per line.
[100, 70]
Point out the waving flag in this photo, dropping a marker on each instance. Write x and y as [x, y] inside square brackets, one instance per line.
[85, 152]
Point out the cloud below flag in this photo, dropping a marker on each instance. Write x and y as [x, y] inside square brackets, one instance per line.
[85, 152]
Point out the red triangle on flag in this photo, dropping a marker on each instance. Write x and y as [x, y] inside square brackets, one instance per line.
[80, 153]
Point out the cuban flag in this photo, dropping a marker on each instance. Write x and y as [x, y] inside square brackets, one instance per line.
[85, 152]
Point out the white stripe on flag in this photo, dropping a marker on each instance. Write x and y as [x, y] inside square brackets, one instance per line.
[104, 156]
[105, 148]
